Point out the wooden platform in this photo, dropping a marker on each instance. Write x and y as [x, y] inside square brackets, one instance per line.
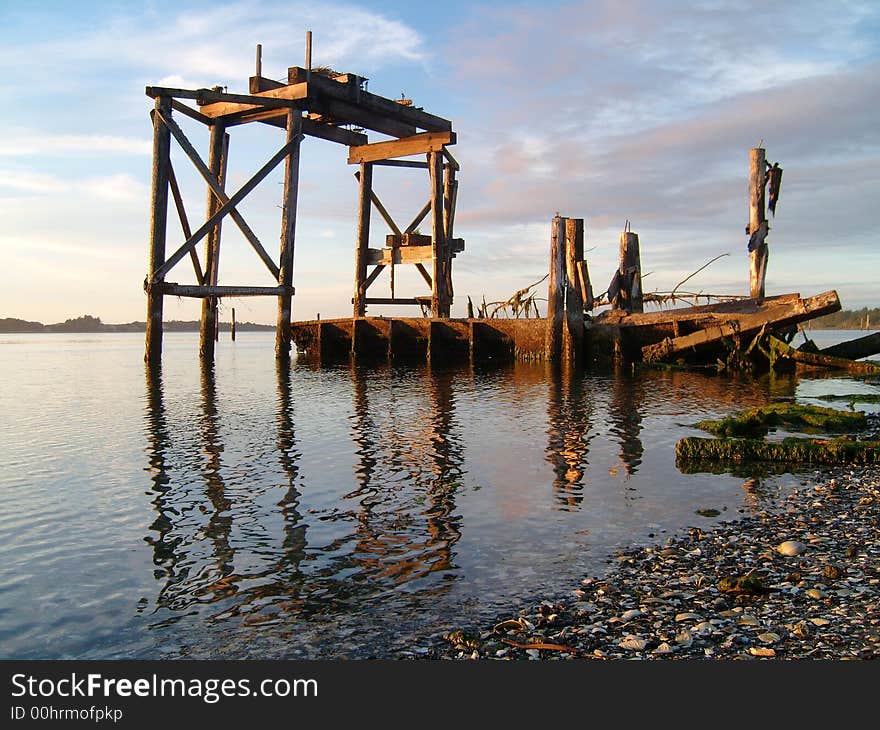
[420, 339]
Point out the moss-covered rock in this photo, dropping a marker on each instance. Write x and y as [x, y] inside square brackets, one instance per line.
[790, 450]
[794, 416]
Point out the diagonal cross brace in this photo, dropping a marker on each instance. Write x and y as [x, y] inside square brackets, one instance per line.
[243, 191]
[381, 208]
[184, 221]
[218, 191]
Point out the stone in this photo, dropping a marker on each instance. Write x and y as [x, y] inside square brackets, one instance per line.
[791, 548]
[632, 614]
[762, 651]
[687, 616]
[633, 643]
[815, 593]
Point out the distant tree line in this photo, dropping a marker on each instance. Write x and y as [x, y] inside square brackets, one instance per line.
[88, 323]
[847, 319]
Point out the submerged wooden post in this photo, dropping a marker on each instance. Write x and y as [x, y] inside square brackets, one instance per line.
[288, 231]
[439, 295]
[758, 227]
[217, 154]
[629, 272]
[573, 332]
[158, 221]
[232, 326]
[363, 238]
[556, 290]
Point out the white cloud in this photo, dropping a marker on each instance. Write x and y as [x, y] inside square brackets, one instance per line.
[121, 187]
[31, 143]
[32, 182]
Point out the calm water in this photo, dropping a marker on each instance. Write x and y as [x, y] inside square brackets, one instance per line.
[252, 512]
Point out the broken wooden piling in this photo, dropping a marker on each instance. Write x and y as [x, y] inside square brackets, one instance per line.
[758, 226]
[556, 290]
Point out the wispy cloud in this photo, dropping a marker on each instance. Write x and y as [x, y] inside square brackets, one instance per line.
[28, 143]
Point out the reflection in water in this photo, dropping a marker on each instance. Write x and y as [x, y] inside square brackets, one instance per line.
[407, 473]
[570, 420]
[627, 400]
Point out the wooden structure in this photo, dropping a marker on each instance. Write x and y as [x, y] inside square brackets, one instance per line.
[314, 103]
[758, 228]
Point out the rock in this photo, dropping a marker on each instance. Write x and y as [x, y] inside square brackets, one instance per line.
[815, 593]
[768, 637]
[791, 548]
[762, 651]
[819, 621]
[633, 643]
[748, 620]
[633, 613]
[663, 648]
[687, 616]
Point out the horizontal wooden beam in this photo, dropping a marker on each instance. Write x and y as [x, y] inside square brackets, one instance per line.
[407, 239]
[350, 91]
[200, 292]
[188, 111]
[401, 163]
[344, 112]
[217, 103]
[386, 300]
[409, 254]
[415, 145]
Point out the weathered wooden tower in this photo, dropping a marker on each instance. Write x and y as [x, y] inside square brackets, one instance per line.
[317, 103]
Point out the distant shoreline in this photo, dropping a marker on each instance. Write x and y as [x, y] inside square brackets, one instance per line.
[93, 325]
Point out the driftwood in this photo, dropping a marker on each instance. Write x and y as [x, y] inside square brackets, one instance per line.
[855, 349]
[773, 317]
[779, 351]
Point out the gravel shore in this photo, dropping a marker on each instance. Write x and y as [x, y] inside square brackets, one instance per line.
[800, 579]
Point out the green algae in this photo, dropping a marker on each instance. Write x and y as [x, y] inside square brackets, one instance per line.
[793, 416]
[789, 450]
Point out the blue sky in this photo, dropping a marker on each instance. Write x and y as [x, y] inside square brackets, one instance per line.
[609, 111]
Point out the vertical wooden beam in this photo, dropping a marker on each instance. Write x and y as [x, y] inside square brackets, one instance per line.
[758, 250]
[219, 144]
[259, 68]
[450, 186]
[573, 332]
[288, 231]
[439, 299]
[232, 327]
[158, 221]
[363, 238]
[556, 290]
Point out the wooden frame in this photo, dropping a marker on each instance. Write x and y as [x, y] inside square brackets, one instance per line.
[337, 109]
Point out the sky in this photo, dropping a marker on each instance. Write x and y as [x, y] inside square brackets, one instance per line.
[610, 111]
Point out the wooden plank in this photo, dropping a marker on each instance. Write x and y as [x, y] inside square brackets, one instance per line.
[388, 300]
[393, 240]
[288, 235]
[855, 349]
[372, 102]
[310, 127]
[774, 317]
[720, 311]
[217, 103]
[414, 145]
[819, 359]
[211, 179]
[409, 254]
[158, 226]
[245, 189]
[199, 292]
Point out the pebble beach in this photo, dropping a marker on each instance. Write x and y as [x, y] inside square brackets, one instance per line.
[798, 578]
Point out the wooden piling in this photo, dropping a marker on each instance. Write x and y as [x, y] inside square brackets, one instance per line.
[232, 326]
[758, 250]
[573, 332]
[629, 273]
[556, 290]
[288, 232]
[158, 221]
[219, 146]
[363, 238]
[439, 298]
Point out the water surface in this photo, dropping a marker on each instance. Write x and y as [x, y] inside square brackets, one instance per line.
[252, 511]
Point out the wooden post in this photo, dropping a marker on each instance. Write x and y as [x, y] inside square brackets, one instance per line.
[573, 332]
[556, 290]
[308, 55]
[449, 194]
[158, 221]
[758, 250]
[217, 154]
[288, 232]
[363, 239]
[232, 328]
[439, 298]
[630, 273]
